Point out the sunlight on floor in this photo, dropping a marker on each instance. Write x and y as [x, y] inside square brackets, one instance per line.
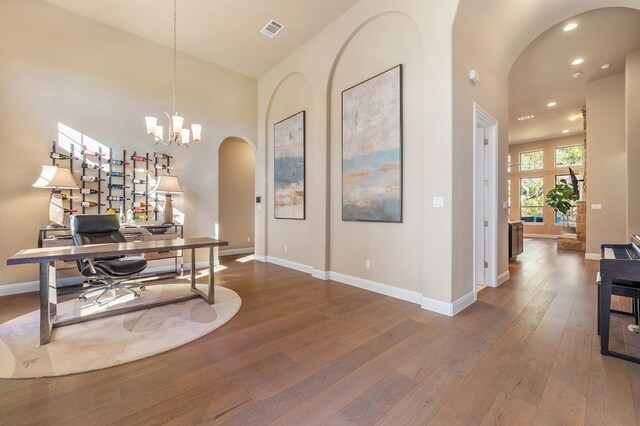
[245, 259]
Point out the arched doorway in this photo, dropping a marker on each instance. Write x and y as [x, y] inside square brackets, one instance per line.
[236, 191]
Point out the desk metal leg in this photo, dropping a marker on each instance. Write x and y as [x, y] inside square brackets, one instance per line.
[193, 270]
[209, 296]
[48, 300]
[212, 266]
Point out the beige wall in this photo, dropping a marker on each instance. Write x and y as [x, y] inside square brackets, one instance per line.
[491, 95]
[548, 173]
[397, 41]
[291, 97]
[632, 100]
[56, 66]
[236, 174]
[369, 38]
[606, 163]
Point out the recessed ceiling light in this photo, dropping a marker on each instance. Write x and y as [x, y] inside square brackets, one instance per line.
[569, 27]
[565, 131]
[577, 61]
[552, 104]
[605, 66]
[577, 74]
[525, 117]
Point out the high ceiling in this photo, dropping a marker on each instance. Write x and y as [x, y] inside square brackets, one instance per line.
[222, 32]
[543, 71]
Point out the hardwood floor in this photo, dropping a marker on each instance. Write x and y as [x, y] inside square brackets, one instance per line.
[303, 352]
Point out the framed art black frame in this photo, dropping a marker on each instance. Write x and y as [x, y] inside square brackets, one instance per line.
[289, 171]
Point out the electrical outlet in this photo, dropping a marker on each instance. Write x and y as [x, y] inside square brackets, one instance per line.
[285, 249]
[248, 239]
[367, 264]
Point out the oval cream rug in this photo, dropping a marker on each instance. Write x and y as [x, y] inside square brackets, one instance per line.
[110, 341]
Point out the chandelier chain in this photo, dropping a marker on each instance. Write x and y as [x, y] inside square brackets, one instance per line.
[177, 134]
[175, 46]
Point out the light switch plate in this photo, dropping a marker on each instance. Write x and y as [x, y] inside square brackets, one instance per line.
[438, 201]
[596, 206]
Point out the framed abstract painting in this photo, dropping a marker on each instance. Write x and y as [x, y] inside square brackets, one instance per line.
[289, 170]
[372, 149]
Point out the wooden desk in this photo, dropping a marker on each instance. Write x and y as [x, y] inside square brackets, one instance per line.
[47, 258]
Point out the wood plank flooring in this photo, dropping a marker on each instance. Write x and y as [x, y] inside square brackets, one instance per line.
[307, 352]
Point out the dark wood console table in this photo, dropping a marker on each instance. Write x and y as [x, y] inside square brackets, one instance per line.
[47, 258]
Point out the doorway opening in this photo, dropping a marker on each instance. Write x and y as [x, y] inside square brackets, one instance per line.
[236, 192]
[485, 229]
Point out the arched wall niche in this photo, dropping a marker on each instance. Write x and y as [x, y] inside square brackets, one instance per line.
[380, 43]
[290, 239]
[236, 191]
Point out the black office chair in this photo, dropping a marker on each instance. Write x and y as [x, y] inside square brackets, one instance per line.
[110, 272]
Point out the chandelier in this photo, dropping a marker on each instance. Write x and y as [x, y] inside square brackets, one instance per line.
[177, 134]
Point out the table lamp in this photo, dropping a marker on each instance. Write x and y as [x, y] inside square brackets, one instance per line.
[167, 185]
[56, 179]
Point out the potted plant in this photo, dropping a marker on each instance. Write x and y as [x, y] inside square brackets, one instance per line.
[561, 199]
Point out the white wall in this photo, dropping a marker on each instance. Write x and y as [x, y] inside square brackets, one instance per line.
[632, 103]
[606, 163]
[56, 66]
[491, 94]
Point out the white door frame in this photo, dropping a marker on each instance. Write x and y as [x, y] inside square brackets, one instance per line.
[482, 119]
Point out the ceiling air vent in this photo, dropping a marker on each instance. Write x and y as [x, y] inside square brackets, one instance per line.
[272, 28]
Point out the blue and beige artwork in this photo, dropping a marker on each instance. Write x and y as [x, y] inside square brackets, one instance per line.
[371, 149]
[289, 167]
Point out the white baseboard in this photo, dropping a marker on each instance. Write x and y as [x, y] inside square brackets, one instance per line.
[289, 264]
[260, 258]
[503, 278]
[31, 286]
[437, 306]
[321, 275]
[231, 252]
[592, 256]
[551, 236]
[376, 287]
[464, 302]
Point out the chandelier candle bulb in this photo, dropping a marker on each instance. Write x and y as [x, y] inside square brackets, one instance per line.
[185, 134]
[151, 124]
[196, 131]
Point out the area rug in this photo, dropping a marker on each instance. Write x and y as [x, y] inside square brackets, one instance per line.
[111, 341]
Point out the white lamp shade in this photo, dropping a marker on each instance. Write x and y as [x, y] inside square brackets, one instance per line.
[56, 178]
[168, 185]
[176, 123]
[159, 132]
[196, 130]
[184, 135]
[151, 124]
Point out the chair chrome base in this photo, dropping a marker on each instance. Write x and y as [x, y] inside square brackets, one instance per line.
[109, 285]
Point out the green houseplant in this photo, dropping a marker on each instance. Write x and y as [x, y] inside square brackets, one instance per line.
[561, 199]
